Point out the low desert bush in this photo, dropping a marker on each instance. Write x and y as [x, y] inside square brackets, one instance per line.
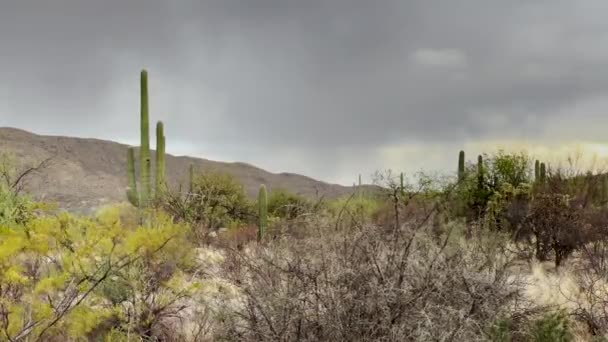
[369, 284]
[214, 200]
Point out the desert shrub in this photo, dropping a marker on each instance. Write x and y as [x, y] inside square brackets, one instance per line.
[591, 303]
[500, 331]
[57, 272]
[215, 200]
[16, 208]
[507, 207]
[351, 210]
[557, 226]
[508, 168]
[479, 194]
[552, 327]
[237, 236]
[369, 283]
[286, 205]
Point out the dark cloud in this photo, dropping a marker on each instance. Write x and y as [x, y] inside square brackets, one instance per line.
[254, 77]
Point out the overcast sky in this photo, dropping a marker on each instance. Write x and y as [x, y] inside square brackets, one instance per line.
[326, 88]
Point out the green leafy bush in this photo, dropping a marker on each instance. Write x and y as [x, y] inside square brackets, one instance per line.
[500, 331]
[287, 205]
[349, 210]
[215, 200]
[57, 271]
[552, 327]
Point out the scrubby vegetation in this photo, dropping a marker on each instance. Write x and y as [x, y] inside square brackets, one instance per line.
[506, 249]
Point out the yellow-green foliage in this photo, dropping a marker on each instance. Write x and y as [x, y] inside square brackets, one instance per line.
[215, 200]
[14, 208]
[501, 197]
[357, 207]
[54, 270]
[284, 204]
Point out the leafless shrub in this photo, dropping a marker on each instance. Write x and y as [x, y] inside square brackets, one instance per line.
[368, 283]
[591, 305]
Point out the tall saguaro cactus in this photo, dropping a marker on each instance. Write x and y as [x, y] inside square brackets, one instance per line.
[604, 189]
[536, 170]
[160, 159]
[263, 212]
[461, 166]
[191, 178]
[141, 197]
[480, 173]
[543, 173]
[144, 150]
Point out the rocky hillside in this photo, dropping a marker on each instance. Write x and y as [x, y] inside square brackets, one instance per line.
[84, 174]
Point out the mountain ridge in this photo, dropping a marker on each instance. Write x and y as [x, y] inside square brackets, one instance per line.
[86, 173]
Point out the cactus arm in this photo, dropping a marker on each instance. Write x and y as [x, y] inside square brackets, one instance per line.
[480, 178]
[191, 178]
[132, 194]
[263, 212]
[160, 159]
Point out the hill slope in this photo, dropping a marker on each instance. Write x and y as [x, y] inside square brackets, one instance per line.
[87, 173]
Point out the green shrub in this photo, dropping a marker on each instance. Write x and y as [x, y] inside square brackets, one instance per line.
[57, 271]
[15, 209]
[356, 207]
[552, 327]
[511, 168]
[500, 331]
[484, 182]
[287, 205]
[216, 199]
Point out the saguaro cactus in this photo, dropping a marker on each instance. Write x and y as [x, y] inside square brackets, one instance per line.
[401, 186]
[543, 173]
[191, 178]
[132, 194]
[480, 172]
[160, 159]
[263, 212]
[536, 170]
[604, 189]
[142, 197]
[144, 151]
[461, 166]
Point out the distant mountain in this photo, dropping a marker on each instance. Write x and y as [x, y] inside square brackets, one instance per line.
[85, 174]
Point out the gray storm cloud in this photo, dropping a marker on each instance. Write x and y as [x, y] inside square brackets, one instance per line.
[331, 81]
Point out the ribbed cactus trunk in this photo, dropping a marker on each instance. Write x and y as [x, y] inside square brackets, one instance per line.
[604, 189]
[536, 170]
[480, 173]
[132, 194]
[543, 173]
[401, 185]
[461, 166]
[191, 179]
[263, 213]
[144, 152]
[160, 159]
